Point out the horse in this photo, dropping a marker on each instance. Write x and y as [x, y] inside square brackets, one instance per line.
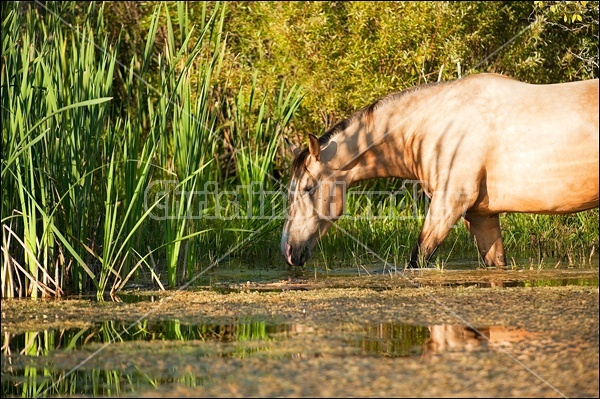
[481, 146]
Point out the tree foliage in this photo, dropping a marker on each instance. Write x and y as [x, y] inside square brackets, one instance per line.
[347, 54]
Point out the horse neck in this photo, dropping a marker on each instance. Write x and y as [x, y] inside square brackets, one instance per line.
[373, 150]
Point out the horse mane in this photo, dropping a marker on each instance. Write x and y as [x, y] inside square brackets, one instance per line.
[365, 113]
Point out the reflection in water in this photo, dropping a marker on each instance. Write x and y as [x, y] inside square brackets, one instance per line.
[26, 357]
[35, 381]
[32, 380]
[537, 282]
[391, 339]
[400, 340]
[445, 337]
[40, 343]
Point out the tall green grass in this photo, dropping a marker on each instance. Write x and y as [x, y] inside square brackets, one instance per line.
[77, 165]
[54, 95]
[186, 76]
[257, 137]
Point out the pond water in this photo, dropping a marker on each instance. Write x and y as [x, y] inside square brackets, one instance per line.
[454, 333]
[49, 378]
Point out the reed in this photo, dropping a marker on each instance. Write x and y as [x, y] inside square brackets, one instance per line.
[55, 114]
[77, 165]
[256, 137]
[187, 74]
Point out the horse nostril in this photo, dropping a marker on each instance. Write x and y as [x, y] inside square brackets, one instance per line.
[288, 253]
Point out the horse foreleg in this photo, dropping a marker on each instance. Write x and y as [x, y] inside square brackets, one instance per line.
[486, 230]
[442, 215]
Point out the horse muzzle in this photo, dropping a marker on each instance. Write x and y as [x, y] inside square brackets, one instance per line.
[295, 256]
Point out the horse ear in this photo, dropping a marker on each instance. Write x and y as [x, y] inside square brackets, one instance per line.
[314, 147]
[295, 149]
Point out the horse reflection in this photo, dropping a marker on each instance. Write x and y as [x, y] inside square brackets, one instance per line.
[448, 338]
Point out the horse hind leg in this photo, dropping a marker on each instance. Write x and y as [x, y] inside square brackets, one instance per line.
[486, 230]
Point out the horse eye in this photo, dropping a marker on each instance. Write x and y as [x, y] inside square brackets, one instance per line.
[310, 190]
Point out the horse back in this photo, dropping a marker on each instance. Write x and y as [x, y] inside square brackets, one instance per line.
[542, 146]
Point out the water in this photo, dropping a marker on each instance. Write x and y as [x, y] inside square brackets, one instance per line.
[333, 336]
[35, 363]
[245, 286]
[561, 282]
[39, 363]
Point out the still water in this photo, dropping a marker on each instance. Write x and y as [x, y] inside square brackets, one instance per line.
[30, 369]
[456, 334]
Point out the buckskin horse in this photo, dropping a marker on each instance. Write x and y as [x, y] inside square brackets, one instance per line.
[481, 145]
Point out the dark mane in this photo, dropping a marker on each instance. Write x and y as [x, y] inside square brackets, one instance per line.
[299, 163]
[365, 113]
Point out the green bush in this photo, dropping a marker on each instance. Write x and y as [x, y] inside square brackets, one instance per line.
[348, 54]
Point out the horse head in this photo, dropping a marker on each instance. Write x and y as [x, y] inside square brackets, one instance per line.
[315, 200]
